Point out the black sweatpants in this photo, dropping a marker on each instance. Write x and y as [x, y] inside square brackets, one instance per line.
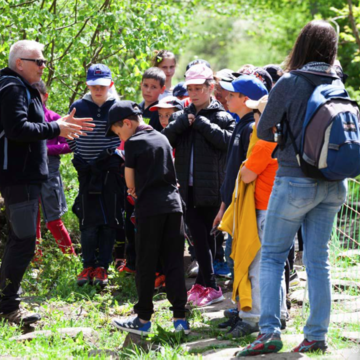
[21, 204]
[130, 252]
[200, 220]
[160, 237]
[219, 252]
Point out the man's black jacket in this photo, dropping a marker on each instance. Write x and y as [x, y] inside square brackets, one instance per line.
[209, 137]
[23, 132]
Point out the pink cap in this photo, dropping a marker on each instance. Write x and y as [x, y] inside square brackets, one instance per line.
[198, 74]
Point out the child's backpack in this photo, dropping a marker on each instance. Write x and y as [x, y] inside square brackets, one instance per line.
[330, 140]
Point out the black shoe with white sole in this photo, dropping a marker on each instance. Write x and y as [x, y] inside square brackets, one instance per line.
[133, 325]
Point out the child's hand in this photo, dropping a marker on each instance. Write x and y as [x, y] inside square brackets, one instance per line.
[132, 192]
[191, 118]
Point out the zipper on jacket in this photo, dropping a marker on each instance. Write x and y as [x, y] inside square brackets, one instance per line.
[117, 221]
[106, 177]
[83, 206]
[102, 210]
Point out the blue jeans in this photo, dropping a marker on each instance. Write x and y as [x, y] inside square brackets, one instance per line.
[312, 204]
[98, 238]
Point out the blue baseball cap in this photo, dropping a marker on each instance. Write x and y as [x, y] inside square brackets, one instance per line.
[180, 89]
[98, 74]
[247, 85]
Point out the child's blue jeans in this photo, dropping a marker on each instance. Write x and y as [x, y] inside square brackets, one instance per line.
[101, 238]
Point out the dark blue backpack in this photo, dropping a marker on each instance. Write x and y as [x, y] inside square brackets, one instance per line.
[330, 140]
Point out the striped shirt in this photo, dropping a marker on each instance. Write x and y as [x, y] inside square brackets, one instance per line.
[89, 147]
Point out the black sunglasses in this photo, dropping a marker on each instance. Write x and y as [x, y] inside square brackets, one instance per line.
[38, 62]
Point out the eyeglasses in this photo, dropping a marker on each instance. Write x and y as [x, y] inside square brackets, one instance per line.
[38, 62]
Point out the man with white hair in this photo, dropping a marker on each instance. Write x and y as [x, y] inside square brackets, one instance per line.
[23, 166]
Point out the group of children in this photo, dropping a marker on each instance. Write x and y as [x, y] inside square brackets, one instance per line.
[153, 174]
[187, 163]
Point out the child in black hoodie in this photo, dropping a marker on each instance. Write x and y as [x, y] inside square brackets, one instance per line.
[201, 134]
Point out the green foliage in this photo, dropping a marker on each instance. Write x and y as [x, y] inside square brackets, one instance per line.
[264, 31]
[76, 34]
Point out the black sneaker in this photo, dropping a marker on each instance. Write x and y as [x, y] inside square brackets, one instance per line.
[242, 329]
[311, 346]
[229, 313]
[21, 317]
[288, 302]
[229, 323]
[133, 325]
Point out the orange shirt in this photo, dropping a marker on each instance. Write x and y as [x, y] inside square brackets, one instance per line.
[262, 164]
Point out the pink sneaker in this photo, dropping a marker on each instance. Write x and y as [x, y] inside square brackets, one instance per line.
[210, 296]
[194, 294]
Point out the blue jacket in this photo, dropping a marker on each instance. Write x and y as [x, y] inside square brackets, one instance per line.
[237, 150]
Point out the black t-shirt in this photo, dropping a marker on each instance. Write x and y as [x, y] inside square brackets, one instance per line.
[151, 117]
[149, 153]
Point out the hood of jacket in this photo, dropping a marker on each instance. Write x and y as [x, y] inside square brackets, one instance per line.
[88, 97]
[214, 106]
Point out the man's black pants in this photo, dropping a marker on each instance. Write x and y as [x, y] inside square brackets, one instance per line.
[160, 237]
[21, 203]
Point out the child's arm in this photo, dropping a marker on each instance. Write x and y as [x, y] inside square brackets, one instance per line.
[177, 125]
[247, 176]
[130, 181]
[257, 162]
[213, 133]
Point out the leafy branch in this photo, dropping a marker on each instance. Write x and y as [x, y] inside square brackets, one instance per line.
[353, 23]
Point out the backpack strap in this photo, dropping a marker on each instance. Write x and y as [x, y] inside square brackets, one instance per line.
[27, 90]
[292, 138]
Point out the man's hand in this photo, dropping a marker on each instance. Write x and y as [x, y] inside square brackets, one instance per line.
[219, 215]
[71, 128]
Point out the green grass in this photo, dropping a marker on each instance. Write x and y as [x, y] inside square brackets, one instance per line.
[50, 288]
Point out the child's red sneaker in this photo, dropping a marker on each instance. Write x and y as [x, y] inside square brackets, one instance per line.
[100, 276]
[85, 276]
[126, 268]
[159, 281]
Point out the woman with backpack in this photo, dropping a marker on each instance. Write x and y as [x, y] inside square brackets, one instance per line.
[298, 200]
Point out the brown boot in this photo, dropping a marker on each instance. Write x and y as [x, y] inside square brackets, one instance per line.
[21, 316]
